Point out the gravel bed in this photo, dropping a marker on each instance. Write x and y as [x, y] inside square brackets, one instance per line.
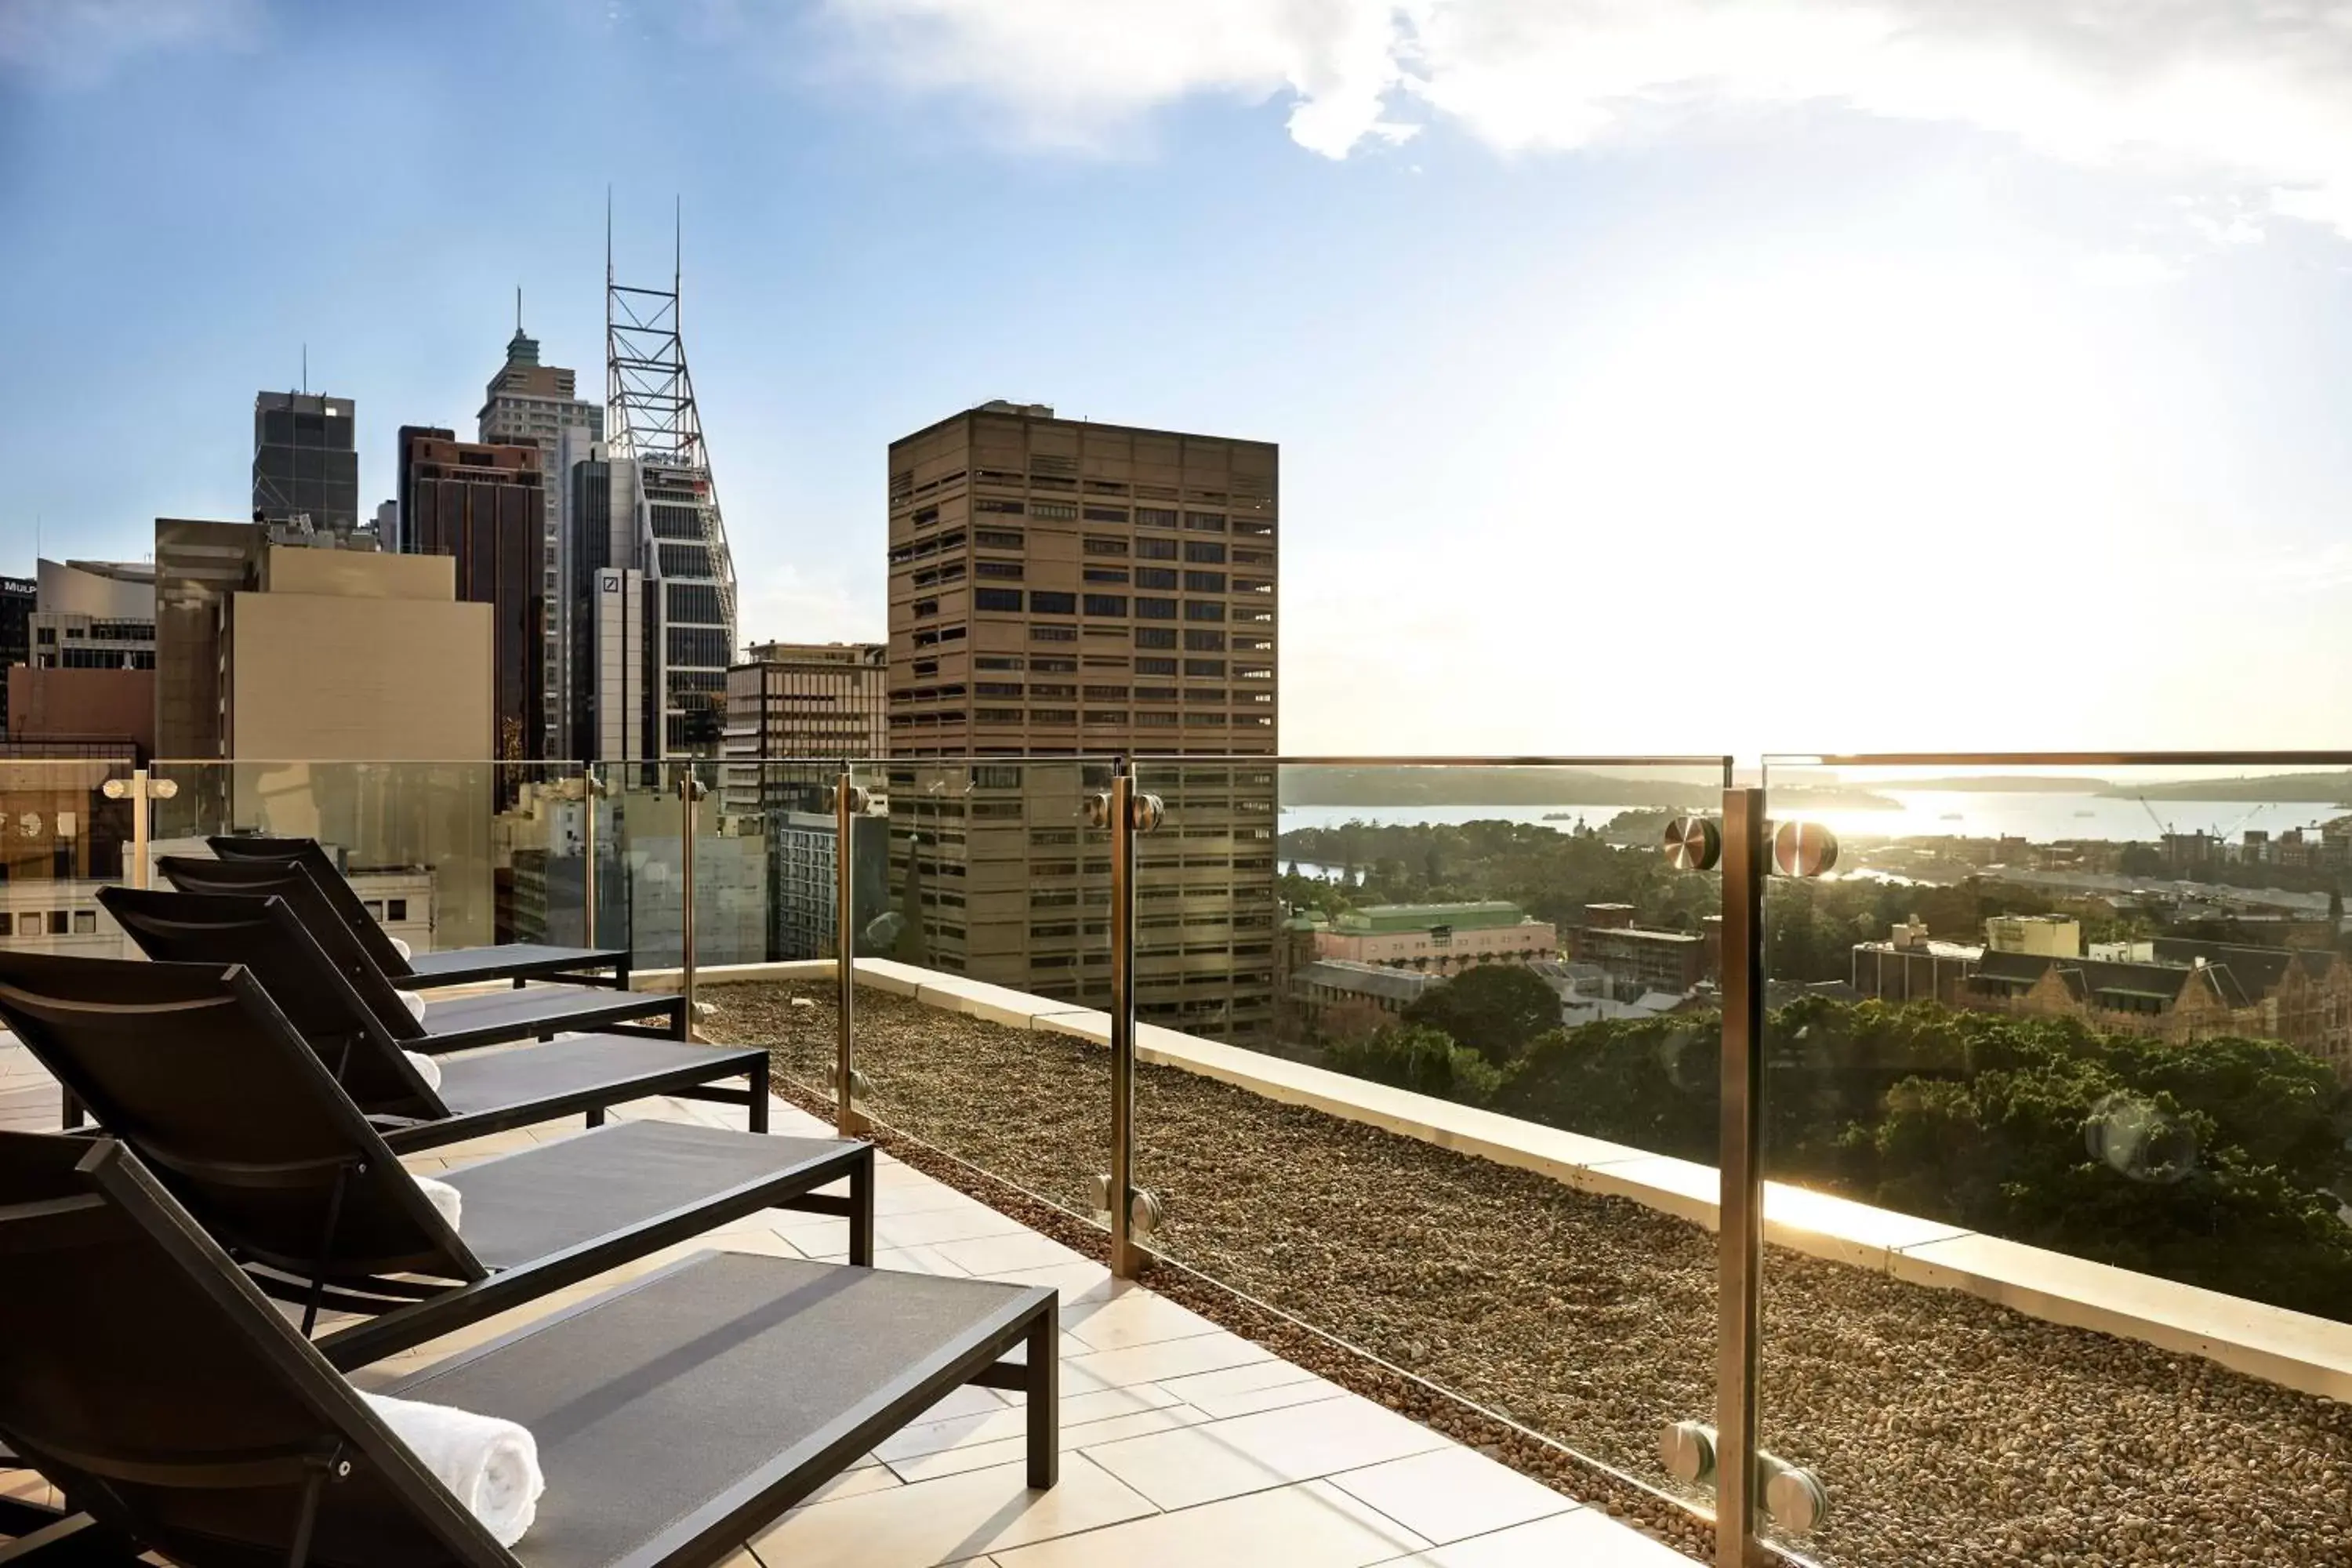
[1947, 1430]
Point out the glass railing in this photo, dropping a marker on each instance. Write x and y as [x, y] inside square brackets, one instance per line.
[66, 830]
[1472, 997]
[2080, 1034]
[1431, 1057]
[446, 855]
[993, 880]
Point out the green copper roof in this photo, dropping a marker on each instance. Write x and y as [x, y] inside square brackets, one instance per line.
[1421, 917]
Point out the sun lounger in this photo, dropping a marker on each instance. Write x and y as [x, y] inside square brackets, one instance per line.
[452, 966]
[675, 1417]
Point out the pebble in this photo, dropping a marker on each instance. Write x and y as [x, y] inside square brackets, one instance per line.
[1949, 1432]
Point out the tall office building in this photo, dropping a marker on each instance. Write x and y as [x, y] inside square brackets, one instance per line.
[306, 461]
[530, 403]
[649, 583]
[1062, 586]
[788, 701]
[486, 506]
[18, 595]
[612, 638]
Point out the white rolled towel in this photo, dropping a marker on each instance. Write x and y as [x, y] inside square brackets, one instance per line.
[491, 1465]
[414, 1003]
[426, 1068]
[447, 1200]
[401, 948]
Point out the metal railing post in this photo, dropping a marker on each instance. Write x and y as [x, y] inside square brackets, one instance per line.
[847, 1119]
[590, 788]
[1740, 1237]
[140, 789]
[690, 791]
[1127, 1259]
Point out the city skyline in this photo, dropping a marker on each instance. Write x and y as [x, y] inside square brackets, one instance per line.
[1805, 374]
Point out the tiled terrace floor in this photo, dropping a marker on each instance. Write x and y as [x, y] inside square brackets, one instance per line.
[1184, 1444]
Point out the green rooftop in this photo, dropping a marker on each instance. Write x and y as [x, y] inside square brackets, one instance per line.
[1388, 918]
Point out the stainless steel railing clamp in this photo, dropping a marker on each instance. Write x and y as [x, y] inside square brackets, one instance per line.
[1145, 1210]
[1794, 1498]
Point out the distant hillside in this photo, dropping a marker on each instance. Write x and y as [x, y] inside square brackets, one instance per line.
[2325, 788]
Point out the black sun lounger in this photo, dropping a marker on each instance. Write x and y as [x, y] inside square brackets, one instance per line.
[204, 1079]
[457, 966]
[485, 1092]
[223, 928]
[675, 1417]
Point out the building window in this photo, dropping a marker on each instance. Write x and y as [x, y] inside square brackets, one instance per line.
[997, 661]
[1205, 642]
[1205, 583]
[1155, 577]
[1048, 604]
[1099, 546]
[1205, 521]
[991, 503]
[1155, 517]
[1057, 511]
[1155, 637]
[1155, 609]
[1106, 515]
[1106, 573]
[1053, 634]
[1106, 604]
[1008, 569]
[997, 598]
[995, 539]
[1204, 666]
[1203, 610]
[1156, 549]
[1211, 550]
[1155, 667]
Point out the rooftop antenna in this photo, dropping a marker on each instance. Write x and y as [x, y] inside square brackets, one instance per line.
[517, 310]
[306, 369]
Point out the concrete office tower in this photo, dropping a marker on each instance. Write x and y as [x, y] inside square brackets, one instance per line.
[530, 403]
[306, 461]
[788, 701]
[1061, 587]
[484, 506]
[18, 595]
[680, 546]
[612, 681]
[93, 615]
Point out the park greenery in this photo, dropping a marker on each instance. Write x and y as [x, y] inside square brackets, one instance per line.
[2215, 1164]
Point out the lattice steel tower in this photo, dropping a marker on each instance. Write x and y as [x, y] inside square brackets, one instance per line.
[650, 421]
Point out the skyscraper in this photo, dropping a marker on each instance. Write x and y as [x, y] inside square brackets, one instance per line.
[1061, 587]
[530, 403]
[663, 526]
[484, 505]
[306, 461]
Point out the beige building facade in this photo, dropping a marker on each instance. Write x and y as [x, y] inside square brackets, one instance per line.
[1062, 587]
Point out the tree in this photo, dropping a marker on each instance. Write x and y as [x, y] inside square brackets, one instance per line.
[1495, 1009]
[1424, 1060]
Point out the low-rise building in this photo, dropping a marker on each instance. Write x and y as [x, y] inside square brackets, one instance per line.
[1671, 961]
[1912, 967]
[2046, 936]
[1438, 939]
[2175, 988]
[1333, 992]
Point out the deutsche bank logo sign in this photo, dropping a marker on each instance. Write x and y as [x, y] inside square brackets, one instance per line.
[611, 583]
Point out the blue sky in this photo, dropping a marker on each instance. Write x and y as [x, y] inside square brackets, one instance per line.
[1834, 375]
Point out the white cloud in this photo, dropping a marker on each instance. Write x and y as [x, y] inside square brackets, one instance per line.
[2257, 91]
[78, 41]
[2126, 269]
